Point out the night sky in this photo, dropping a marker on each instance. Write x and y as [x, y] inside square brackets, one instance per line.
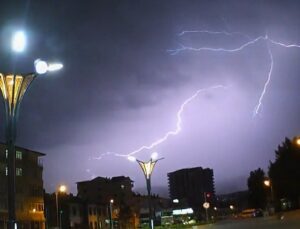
[122, 85]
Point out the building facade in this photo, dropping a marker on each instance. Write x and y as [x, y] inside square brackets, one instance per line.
[192, 186]
[29, 188]
[102, 190]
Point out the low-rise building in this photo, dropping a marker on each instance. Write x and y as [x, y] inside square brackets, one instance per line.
[29, 188]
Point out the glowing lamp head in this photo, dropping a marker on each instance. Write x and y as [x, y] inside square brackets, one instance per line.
[54, 67]
[131, 158]
[154, 155]
[111, 201]
[267, 183]
[62, 188]
[175, 201]
[18, 42]
[298, 141]
[41, 67]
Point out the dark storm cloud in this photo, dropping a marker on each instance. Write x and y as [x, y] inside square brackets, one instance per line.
[120, 88]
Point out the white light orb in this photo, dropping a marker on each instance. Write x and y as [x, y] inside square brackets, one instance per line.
[176, 201]
[131, 158]
[41, 67]
[62, 188]
[154, 155]
[18, 42]
[54, 67]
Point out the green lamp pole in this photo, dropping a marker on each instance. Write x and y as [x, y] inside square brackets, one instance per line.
[147, 168]
[13, 88]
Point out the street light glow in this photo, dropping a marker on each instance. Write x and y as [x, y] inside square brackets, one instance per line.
[298, 141]
[41, 67]
[267, 183]
[154, 155]
[54, 67]
[176, 201]
[18, 42]
[131, 158]
[62, 188]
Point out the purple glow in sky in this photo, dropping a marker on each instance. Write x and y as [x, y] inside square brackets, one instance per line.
[121, 88]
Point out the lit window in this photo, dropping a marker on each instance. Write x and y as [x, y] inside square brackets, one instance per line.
[40, 207]
[19, 171]
[19, 155]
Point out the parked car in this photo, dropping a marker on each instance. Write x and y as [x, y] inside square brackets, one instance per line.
[251, 213]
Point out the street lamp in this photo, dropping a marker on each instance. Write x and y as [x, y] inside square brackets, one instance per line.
[60, 189]
[13, 87]
[296, 140]
[268, 183]
[18, 42]
[147, 168]
[110, 214]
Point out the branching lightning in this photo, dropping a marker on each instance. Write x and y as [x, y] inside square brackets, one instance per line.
[256, 109]
[186, 48]
[214, 33]
[239, 48]
[178, 124]
[250, 42]
[169, 133]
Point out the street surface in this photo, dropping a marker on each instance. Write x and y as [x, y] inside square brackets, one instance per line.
[291, 220]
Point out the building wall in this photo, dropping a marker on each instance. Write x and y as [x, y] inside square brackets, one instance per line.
[102, 190]
[99, 192]
[190, 185]
[29, 187]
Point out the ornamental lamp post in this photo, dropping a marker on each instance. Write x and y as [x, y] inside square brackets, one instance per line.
[147, 168]
[13, 87]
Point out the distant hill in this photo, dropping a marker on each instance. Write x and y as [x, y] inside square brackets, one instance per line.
[158, 190]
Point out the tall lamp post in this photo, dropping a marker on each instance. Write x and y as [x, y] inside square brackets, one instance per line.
[61, 189]
[147, 168]
[110, 214]
[13, 87]
[268, 183]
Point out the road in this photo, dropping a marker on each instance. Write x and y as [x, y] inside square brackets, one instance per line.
[291, 220]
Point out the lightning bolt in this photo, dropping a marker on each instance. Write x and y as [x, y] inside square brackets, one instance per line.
[187, 48]
[239, 48]
[214, 33]
[247, 44]
[169, 133]
[256, 109]
[284, 45]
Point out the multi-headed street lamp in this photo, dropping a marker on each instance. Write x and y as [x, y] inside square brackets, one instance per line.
[147, 168]
[13, 87]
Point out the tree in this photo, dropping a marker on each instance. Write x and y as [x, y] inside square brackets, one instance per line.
[257, 191]
[285, 171]
[126, 216]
